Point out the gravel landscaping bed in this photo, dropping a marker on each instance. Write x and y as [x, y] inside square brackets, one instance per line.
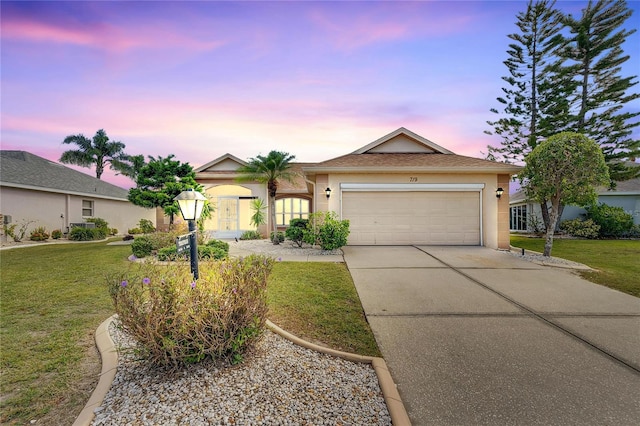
[279, 383]
[286, 248]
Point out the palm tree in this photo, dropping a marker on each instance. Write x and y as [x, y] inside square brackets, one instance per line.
[98, 152]
[275, 166]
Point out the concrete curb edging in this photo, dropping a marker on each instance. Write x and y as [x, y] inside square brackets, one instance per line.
[573, 265]
[397, 411]
[109, 357]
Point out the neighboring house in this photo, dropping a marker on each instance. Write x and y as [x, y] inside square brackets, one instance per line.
[526, 215]
[400, 189]
[54, 196]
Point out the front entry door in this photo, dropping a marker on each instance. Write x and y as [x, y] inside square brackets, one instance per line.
[228, 219]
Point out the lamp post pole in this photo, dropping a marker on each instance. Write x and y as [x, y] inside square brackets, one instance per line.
[193, 243]
[191, 203]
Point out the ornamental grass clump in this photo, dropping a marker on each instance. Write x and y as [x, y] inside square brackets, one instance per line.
[178, 321]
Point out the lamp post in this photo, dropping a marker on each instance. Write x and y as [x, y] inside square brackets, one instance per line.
[191, 203]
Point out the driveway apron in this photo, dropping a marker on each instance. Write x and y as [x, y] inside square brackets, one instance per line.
[477, 336]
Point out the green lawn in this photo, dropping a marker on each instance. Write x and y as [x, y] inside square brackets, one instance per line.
[53, 298]
[617, 262]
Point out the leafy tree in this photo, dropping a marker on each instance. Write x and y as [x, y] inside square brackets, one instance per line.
[595, 55]
[535, 102]
[275, 166]
[132, 165]
[564, 169]
[160, 181]
[98, 151]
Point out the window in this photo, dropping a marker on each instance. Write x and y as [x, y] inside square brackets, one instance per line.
[87, 208]
[291, 208]
[518, 218]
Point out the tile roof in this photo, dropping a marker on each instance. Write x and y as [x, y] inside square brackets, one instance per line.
[22, 169]
[415, 162]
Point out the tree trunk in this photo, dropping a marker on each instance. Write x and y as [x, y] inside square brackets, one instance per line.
[545, 214]
[274, 227]
[553, 220]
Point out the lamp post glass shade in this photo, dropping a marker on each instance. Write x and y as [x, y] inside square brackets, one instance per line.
[499, 192]
[191, 203]
[327, 192]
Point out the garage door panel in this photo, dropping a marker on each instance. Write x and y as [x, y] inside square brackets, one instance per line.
[445, 218]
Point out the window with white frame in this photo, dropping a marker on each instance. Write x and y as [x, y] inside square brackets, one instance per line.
[518, 218]
[87, 208]
[291, 208]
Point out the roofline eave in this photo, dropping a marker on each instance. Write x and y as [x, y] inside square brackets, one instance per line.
[61, 191]
[396, 170]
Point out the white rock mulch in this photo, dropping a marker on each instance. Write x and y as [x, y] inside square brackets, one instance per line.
[278, 384]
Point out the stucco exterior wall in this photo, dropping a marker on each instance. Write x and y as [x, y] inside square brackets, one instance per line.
[492, 237]
[57, 211]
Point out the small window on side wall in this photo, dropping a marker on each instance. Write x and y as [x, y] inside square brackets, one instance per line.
[87, 208]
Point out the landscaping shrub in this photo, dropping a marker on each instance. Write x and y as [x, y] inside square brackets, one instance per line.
[581, 228]
[179, 321]
[324, 229]
[81, 234]
[277, 237]
[56, 234]
[146, 226]
[17, 232]
[614, 221]
[134, 231]
[114, 231]
[142, 247]
[206, 251]
[250, 235]
[295, 231]
[102, 230]
[39, 234]
[223, 245]
[99, 233]
[100, 223]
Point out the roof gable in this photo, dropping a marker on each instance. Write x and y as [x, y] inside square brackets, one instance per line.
[225, 163]
[402, 141]
[22, 169]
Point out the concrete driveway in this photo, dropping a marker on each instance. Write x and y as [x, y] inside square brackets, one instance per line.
[476, 336]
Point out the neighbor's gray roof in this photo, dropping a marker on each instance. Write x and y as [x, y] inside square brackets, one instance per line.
[21, 169]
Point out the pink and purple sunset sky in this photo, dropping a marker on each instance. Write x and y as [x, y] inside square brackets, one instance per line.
[201, 79]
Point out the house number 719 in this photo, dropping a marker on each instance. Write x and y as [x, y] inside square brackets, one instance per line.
[413, 179]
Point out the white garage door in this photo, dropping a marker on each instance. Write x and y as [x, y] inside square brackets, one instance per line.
[406, 218]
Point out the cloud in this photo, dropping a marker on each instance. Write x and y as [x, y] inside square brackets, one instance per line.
[386, 22]
[109, 37]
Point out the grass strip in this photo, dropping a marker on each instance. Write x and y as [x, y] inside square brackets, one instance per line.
[319, 301]
[615, 262]
[53, 297]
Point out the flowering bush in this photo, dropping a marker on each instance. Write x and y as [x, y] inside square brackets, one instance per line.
[178, 321]
[39, 234]
[56, 234]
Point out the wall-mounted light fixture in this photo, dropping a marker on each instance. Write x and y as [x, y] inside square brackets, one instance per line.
[499, 192]
[327, 192]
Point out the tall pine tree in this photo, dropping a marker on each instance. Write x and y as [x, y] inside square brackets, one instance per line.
[535, 102]
[595, 57]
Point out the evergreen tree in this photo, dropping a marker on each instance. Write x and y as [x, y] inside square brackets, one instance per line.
[160, 181]
[595, 55]
[535, 102]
